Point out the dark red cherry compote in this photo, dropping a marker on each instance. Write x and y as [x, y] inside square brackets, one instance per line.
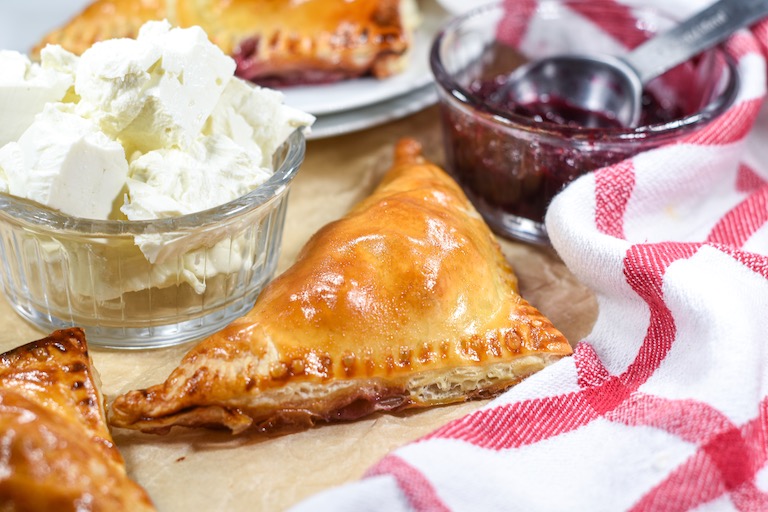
[516, 168]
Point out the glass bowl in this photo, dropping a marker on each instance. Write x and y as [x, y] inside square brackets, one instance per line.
[60, 271]
[511, 164]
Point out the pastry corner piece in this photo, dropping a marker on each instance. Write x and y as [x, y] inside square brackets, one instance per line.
[407, 301]
[57, 451]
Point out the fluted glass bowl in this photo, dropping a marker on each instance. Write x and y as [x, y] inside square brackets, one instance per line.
[208, 269]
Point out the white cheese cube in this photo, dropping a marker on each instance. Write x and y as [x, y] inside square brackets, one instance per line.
[25, 88]
[111, 79]
[255, 118]
[189, 81]
[156, 91]
[65, 162]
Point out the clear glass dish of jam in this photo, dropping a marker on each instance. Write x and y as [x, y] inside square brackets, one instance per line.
[512, 159]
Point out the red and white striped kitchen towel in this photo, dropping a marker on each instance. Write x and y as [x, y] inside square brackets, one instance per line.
[664, 406]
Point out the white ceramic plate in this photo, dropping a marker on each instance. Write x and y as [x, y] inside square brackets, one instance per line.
[347, 121]
[353, 94]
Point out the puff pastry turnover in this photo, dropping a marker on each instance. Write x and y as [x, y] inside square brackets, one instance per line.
[274, 42]
[57, 453]
[407, 301]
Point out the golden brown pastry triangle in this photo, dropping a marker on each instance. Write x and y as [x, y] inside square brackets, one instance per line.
[274, 42]
[407, 301]
[57, 453]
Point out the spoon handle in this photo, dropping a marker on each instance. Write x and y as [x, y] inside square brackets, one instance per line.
[702, 31]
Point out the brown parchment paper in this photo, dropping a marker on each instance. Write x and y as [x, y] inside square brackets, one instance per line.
[214, 471]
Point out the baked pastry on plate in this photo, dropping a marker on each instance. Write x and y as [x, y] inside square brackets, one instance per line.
[274, 42]
[57, 452]
[407, 301]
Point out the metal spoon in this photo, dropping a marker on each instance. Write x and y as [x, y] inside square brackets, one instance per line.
[613, 85]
